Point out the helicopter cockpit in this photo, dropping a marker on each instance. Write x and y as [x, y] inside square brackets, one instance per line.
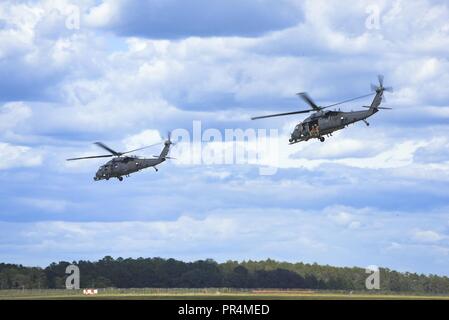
[298, 132]
[102, 172]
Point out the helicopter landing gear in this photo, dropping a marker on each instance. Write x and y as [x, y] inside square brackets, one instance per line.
[120, 178]
[322, 139]
[366, 122]
[156, 169]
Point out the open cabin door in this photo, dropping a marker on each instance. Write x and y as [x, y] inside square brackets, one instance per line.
[314, 128]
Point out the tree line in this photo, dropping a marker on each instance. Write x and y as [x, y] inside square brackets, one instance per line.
[171, 273]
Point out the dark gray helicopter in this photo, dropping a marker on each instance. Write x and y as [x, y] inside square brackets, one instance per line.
[322, 123]
[121, 165]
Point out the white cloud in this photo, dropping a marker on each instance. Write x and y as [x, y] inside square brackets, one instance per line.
[103, 14]
[342, 236]
[144, 138]
[49, 205]
[126, 237]
[218, 174]
[345, 219]
[162, 19]
[12, 114]
[427, 236]
[18, 156]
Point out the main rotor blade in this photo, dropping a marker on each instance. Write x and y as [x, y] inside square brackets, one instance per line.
[385, 108]
[282, 114]
[102, 145]
[91, 157]
[152, 145]
[309, 101]
[349, 100]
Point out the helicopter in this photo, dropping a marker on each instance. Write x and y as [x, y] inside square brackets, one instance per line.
[122, 165]
[323, 122]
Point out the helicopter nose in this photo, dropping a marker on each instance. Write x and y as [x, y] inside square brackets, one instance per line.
[293, 137]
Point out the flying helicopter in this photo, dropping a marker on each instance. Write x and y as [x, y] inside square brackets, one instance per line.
[323, 122]
[122, 165]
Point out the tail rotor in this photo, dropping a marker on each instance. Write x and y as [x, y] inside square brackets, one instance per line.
[380, 87]
[168, 142]
[379, 90]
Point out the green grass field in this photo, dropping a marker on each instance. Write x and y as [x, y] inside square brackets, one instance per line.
[205, 294]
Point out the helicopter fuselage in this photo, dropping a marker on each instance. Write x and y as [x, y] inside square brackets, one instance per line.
[323, 123]
[123, 166]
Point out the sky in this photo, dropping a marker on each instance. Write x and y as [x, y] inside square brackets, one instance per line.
[126, 72]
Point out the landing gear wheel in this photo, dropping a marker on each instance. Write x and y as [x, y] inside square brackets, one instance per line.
[322, 139]
[120, 178]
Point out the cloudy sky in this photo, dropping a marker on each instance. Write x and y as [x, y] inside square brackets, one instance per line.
[126, 72]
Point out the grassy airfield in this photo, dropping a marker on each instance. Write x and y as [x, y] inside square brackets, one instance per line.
[206, 294]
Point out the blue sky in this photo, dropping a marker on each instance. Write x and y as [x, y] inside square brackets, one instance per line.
[132, 70]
